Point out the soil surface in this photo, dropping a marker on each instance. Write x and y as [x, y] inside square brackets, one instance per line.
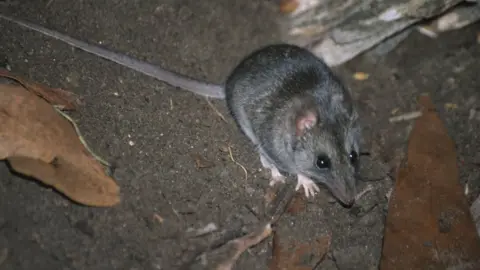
[153, 132]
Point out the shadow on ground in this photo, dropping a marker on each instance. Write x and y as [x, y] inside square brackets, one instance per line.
[150, 131]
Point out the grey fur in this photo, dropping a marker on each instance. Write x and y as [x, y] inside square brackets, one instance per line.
[266, 93]
[270, 88]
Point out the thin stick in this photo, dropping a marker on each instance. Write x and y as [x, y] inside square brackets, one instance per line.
[243, 167]
[216, 110]
[405, 117]
[82, 140]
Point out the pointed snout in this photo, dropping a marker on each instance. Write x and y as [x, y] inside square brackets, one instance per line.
[344, 190]
[345, 198]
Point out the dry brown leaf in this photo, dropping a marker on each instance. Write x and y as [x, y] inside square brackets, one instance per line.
[429, 225]
[38, 142]
[55, 96]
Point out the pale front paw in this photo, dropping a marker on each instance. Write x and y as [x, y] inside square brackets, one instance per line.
[308, 185]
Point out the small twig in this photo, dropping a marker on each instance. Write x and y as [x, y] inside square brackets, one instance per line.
[171, 206]
[234, 242]
[82, 140]
[334, 260]
[215, 244]
[209, 228]
[252, 212]
[158, 218]
[244, 243]
[405, 117]
[363, 192]
[389, 194]
[49, 3]
[243, 167]
[216, 110]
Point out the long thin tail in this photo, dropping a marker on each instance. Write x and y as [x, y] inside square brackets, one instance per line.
[170, 77]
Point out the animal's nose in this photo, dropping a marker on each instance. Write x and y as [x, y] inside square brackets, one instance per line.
[348, 202]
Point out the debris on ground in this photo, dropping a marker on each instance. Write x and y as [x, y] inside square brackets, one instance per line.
[457, 18]
[337, 31]
[236, 247]
[289, 252]
[429, 225]
[475, 210]
[210, 227]
[39, 141]
[60, 98]
[360, 76]
[201, 162]
[450, 106]
[222, 252]
[405, 117]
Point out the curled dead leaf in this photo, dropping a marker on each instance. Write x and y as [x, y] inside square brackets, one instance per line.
[55, 96]
[38, 142]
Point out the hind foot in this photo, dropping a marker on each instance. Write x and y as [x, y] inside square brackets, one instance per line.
[308, 185]
[276, 176]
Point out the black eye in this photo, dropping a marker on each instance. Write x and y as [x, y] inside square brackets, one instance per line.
[323, 162]
[353, 157]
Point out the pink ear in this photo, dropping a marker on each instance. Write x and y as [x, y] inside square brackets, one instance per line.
[305, 121]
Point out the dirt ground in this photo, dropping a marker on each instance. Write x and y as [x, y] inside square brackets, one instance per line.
[41, 229]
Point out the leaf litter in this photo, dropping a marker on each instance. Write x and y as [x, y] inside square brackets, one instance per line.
[39, 141]
[222, 252]
[429, 225]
